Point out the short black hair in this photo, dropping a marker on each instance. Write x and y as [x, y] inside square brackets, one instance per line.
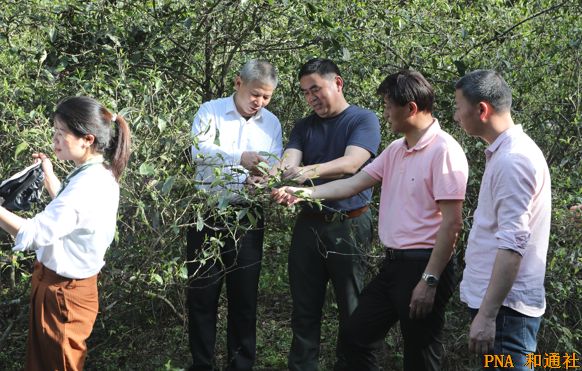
[407, 86]
[320, 66]
[486, 86]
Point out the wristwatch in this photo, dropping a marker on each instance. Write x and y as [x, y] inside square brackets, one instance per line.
[430, 279]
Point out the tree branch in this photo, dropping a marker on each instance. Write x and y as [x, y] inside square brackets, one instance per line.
[10, 326]
[11, 302]
[501, 36]
[169, 303]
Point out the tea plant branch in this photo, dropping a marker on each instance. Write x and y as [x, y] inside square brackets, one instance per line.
[169, 303]
[501, 35]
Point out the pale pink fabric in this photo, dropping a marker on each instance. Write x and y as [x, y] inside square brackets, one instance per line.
[413, 180]
[514, 213]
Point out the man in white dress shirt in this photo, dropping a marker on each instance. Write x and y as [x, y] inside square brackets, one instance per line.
[503, 282]
[233, 136]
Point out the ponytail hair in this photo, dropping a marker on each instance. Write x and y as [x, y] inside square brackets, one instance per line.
[86, 116]
[119, 149]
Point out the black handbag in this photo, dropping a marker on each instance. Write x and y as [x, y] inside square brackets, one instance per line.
[22, 189]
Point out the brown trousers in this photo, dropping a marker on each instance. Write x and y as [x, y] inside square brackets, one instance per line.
[62, 314]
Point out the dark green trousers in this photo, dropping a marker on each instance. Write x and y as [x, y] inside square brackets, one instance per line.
[323, 251]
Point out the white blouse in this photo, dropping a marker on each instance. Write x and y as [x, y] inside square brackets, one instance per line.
[73, 232]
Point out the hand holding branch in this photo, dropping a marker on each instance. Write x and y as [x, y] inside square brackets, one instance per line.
[300, 174]
[290, 195]
[250, 161]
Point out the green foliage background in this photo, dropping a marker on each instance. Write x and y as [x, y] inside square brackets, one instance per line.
[156, 61]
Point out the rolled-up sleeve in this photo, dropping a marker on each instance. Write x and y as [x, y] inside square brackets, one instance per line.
[514, 187]
[55, 222]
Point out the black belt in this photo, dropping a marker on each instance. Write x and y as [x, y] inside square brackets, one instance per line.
[333, 217]
[408, 254]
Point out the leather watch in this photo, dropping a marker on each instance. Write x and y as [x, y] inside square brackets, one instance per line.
[430, 279]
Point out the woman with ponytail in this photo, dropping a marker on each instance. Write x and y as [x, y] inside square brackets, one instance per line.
[73, 232]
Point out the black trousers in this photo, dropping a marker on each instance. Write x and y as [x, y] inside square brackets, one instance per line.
[240, 265]
[323, 252]
[384, 302]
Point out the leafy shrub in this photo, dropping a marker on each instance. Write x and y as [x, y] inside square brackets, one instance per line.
[155, 62]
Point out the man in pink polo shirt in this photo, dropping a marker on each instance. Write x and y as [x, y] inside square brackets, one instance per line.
[423, 177]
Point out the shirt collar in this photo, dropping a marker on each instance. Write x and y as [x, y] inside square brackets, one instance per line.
[231, 108]
[426, 138]
[498, 142]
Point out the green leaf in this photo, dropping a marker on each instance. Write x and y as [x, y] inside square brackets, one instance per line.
[52, 34]
[199, 221]
[115, 40]
[147, 169]
[217, 137]
[168, 184]
[183, 273]
[241, 213]
[42, 57]
[156, 277]
[222, 203]
[252, 219]
[19, 148]
[161, 124]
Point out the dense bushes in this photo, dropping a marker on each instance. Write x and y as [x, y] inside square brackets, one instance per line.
[155, 62]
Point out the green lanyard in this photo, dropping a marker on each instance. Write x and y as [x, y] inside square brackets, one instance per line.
[87, 164]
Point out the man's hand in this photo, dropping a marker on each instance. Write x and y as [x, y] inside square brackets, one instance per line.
[482, 334]
[255, 182]
[250, 159]
[422, 300]
[290, 195]
[299, 174]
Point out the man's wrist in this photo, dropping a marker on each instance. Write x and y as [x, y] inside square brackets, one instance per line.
[488, 312]
[309, 172]
[430, 279]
